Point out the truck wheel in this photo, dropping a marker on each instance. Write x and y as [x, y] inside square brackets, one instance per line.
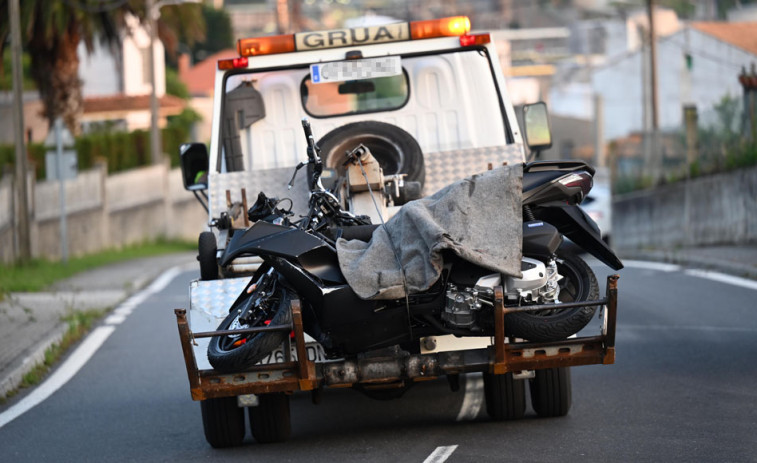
[578, 284]
[551, 392]
[505, 397]
[222, 421]
[270, 420]
[395, 150]
[206, 255]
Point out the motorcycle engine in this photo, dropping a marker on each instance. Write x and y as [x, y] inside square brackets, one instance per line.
[538, 285]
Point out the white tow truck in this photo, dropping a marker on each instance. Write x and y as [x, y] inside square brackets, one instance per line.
[428, 98]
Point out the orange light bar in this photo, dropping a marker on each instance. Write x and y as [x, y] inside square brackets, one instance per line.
[444, 27]
[475, 39]
[233, 63]
[270, 45]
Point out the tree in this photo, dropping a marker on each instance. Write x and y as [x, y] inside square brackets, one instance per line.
[53, 29]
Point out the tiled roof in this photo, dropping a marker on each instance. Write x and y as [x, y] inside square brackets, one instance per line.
[742, 34]
[199, 78]
[122, 103]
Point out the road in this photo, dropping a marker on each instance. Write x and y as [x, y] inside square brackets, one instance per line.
[683, 389]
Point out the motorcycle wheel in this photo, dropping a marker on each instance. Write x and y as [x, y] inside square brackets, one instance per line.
[222, 421]
[578, 284]
[395, 149]
[225, 357]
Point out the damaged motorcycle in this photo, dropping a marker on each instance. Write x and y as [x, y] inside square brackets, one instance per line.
[430, 270]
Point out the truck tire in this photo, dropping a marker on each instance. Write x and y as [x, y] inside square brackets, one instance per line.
[578, 284]
[505, 397]
[222, 421]
[206, 255]
[551, 392]
[226, 358]
[270, 421]
[396, 150]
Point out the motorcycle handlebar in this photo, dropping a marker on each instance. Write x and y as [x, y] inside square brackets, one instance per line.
[314, 156]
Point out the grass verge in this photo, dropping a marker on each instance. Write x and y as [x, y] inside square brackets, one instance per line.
[79, 324]
[39, 274]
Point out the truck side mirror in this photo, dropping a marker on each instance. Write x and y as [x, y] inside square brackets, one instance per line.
[536, 121]
[194, 166]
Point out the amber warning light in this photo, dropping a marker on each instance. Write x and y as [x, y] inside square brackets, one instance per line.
[396, 32]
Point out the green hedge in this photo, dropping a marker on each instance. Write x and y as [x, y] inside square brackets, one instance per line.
[121, 150]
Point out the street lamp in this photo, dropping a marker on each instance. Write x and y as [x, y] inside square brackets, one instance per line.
[153, 14]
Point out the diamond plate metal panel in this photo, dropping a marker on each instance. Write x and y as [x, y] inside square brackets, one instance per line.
[273, 182]
[209, 303]
[443, 168]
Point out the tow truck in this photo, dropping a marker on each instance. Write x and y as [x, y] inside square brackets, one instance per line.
[430, 101]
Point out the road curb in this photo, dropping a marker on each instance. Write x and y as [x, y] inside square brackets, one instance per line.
[14, 379]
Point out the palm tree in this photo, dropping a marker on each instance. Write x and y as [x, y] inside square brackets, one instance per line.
[53, 29]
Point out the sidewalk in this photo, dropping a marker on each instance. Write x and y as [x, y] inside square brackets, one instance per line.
[738, 261]
[32, 322]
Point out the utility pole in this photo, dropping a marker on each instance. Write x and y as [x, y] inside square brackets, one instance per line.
[22, 219]
[153, 12]
[656, 156]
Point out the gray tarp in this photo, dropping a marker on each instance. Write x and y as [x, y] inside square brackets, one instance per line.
[478, 218]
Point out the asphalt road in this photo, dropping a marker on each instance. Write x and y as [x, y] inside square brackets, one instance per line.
[683, 389]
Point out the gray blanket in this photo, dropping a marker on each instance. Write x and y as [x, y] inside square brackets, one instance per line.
[478, 218]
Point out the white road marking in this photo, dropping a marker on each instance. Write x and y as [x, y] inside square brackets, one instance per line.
[61, 376]
[659, 266]
[440, 454]
[86, 350]
[474, 387]
[723, 278]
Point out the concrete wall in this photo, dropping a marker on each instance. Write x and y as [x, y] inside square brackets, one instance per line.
[718, 209]
[103, 212]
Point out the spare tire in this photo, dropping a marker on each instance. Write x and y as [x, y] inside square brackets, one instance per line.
[396, 150]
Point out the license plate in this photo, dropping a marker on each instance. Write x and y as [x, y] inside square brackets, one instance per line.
[341, 71]
[314, 351]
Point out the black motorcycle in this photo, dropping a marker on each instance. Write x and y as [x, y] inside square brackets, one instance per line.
[300, 261]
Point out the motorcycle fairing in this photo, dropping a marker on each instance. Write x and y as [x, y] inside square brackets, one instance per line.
[358, 324]
[310, 252]
[575, 224]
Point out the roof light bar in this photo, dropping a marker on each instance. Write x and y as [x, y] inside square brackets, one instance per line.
[396, 32]
[269, 45]
[445, 27]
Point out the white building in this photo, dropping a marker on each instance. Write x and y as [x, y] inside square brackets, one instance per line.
[699, 64]
[117, 83]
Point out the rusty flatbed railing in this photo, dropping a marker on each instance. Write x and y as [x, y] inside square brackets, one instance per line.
[302, 374]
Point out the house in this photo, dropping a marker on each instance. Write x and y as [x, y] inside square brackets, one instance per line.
[115, 87]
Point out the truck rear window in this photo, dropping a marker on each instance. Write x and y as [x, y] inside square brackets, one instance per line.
[330, 99]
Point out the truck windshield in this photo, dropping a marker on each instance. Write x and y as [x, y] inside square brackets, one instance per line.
[445, 100]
